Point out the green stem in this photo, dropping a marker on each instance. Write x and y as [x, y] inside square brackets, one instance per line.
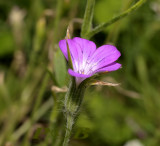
[88, 16]
[72, 104]
[69, 125]
[113, 20]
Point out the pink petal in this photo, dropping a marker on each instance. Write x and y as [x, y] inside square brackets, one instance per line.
[75, 74]
[112, 67]
[74, 48]
[103, 56]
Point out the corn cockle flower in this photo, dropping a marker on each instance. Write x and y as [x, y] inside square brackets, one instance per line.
[87, 60]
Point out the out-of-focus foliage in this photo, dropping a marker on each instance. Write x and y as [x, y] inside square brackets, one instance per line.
[110, 116]
[105, 10]
[6, 41]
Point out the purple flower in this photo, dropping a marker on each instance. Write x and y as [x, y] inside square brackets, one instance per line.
[87, 60]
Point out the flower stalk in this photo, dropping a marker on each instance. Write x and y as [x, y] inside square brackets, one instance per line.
[72, 104]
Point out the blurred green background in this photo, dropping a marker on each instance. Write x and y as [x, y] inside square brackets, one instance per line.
[32, 68]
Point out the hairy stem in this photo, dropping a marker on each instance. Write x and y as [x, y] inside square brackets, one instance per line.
[69, 125]
[115, 19]
[72, 104]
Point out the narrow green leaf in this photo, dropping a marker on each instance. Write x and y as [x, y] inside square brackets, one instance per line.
[60, 68]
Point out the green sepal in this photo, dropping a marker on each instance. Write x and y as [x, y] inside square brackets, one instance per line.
[88, 81]
[69, 56]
